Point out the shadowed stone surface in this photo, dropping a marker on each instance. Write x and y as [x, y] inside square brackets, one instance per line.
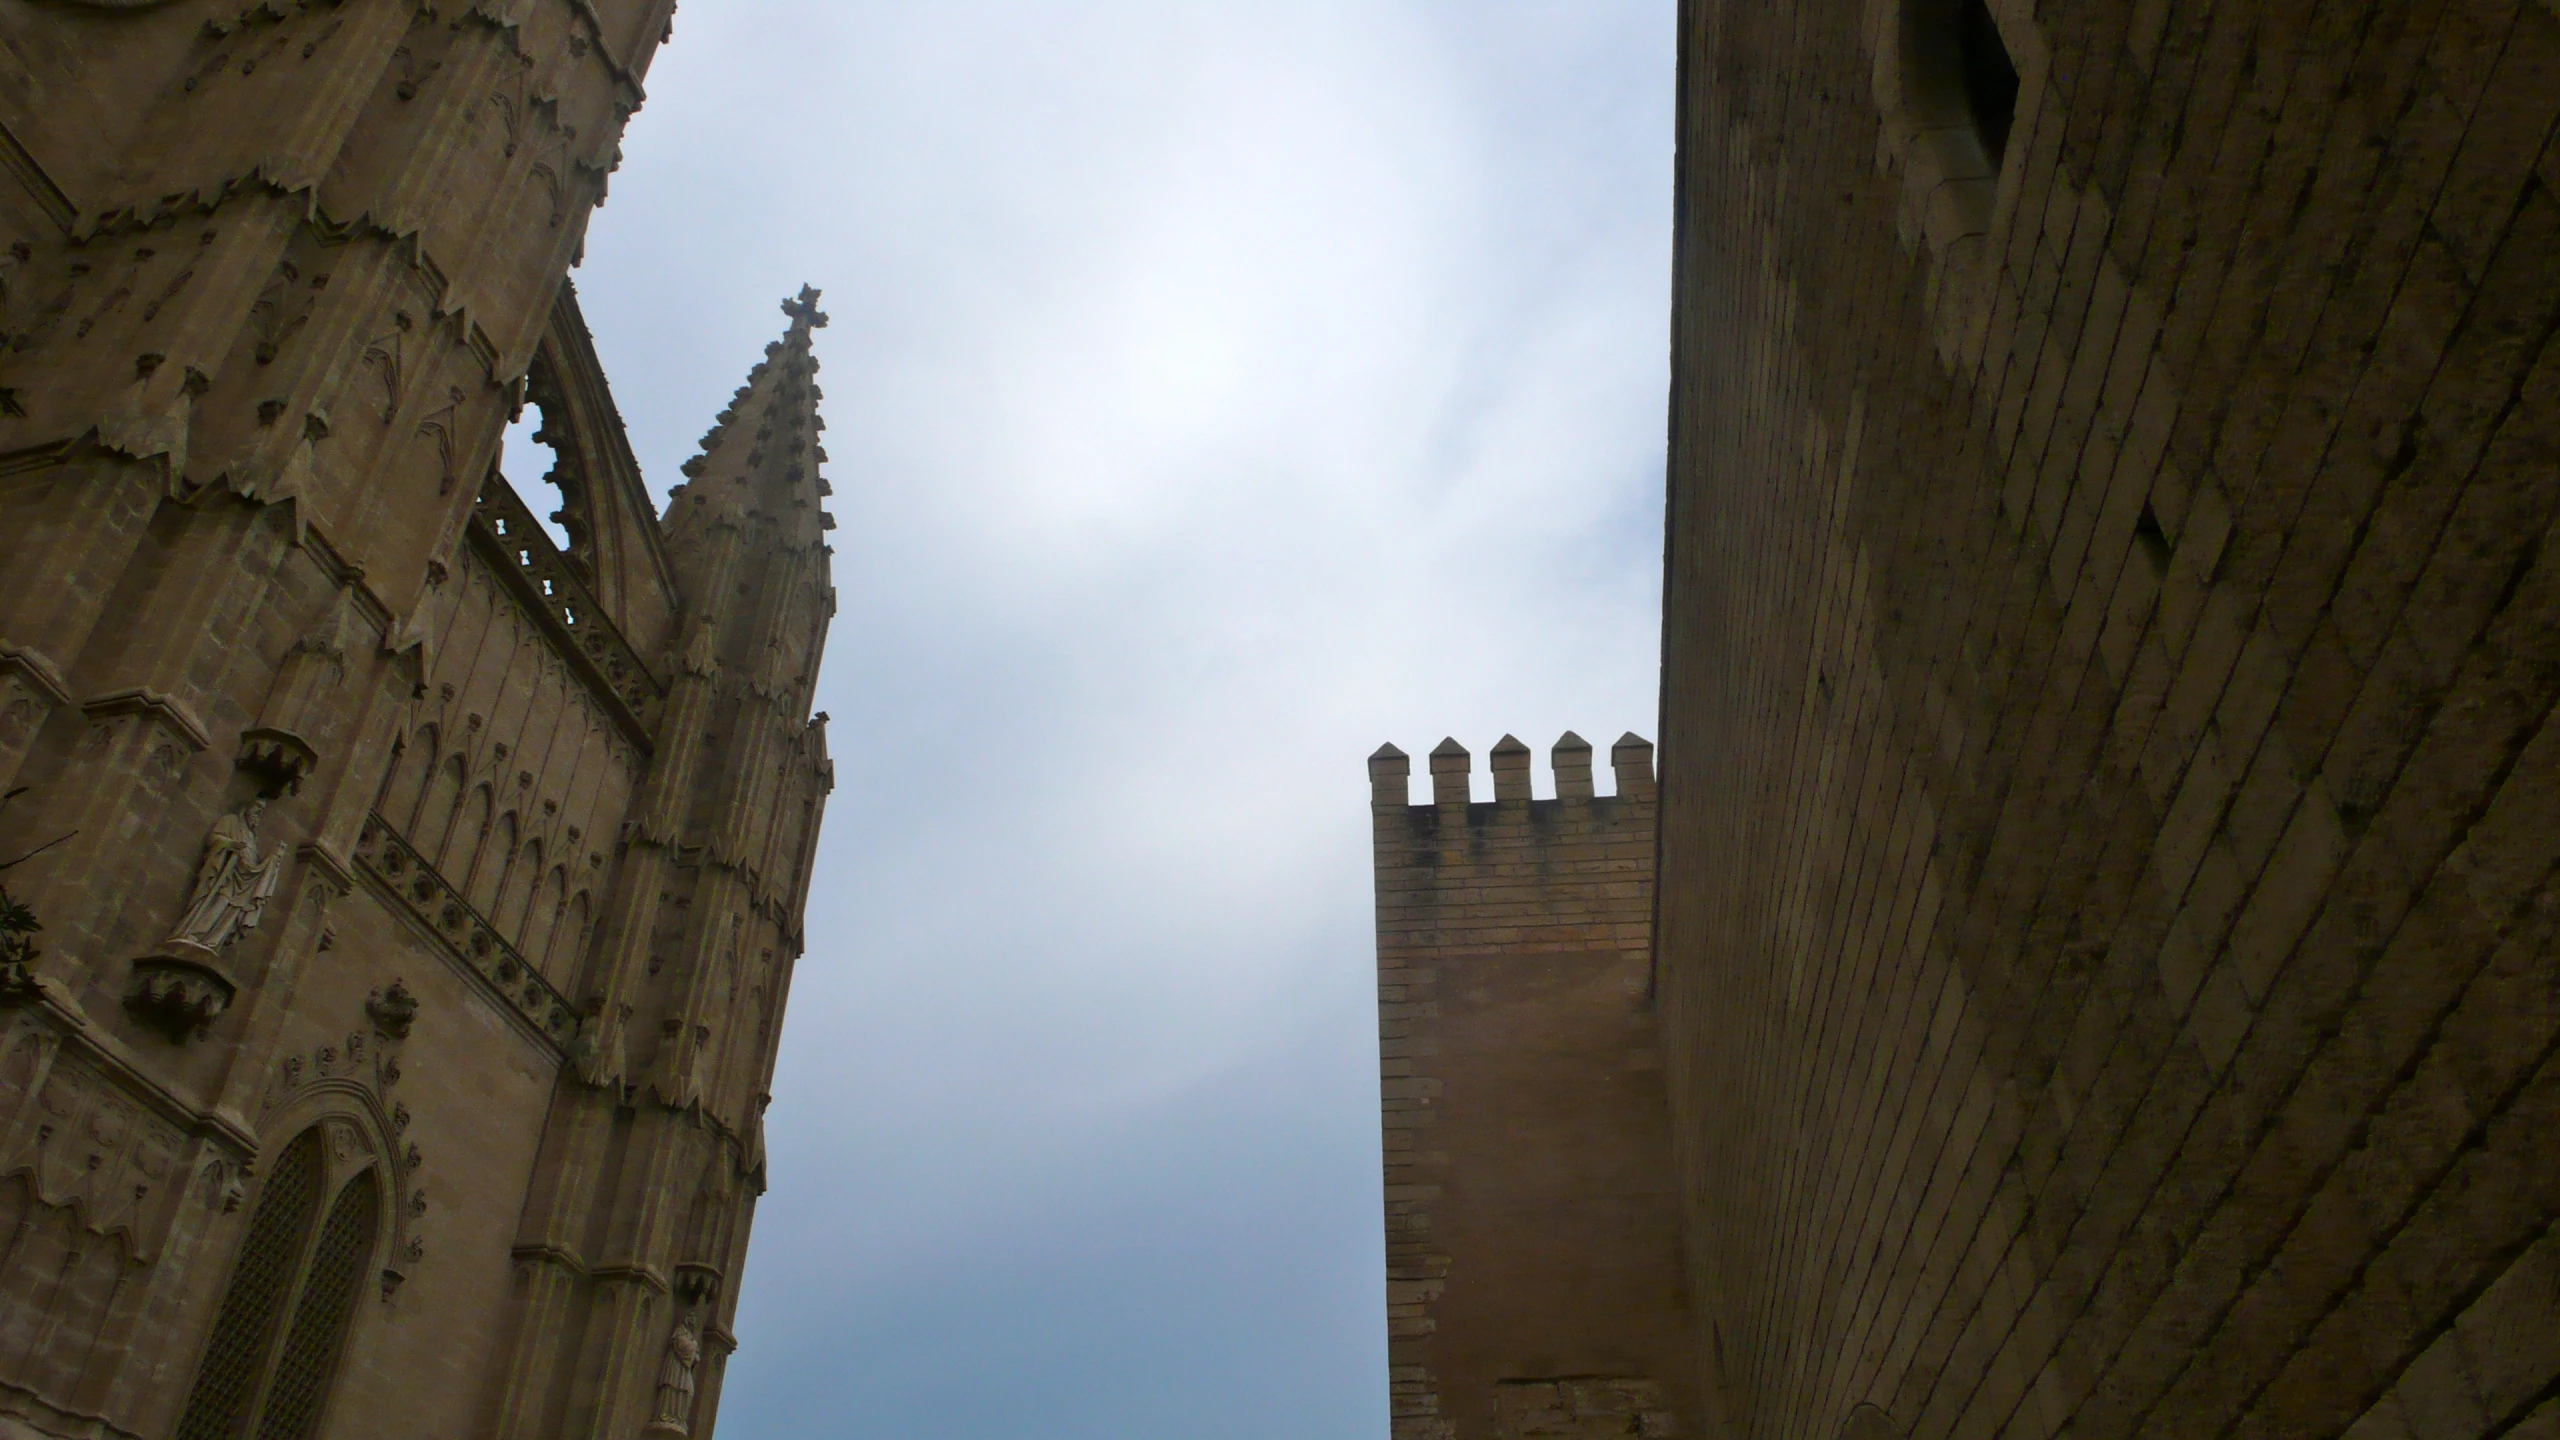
[424, 1099]
[2103, 957]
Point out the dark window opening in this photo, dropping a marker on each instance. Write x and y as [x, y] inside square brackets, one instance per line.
[269, 1364]
[261, 1279]
[2152, 541]
[319, 1330]
[1990, 77]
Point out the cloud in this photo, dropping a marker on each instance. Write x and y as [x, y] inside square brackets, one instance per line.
[1214, 391]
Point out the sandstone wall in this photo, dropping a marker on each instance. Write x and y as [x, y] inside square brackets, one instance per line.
[1534, 1278]
[418, 898]
[2107, 822]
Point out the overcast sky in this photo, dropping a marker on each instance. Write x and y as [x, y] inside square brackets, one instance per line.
[1214, 392]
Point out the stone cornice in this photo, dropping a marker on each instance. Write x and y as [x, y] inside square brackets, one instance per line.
[23, 167]
[171, 712]
[40, 672]
[416, 890]
[73, 1028]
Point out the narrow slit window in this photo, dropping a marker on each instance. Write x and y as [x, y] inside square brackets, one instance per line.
[1990, 78]
[2152, 541]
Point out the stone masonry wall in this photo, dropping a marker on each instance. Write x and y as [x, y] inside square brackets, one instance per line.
[1533, 1248]
[417, 898]
[2111, 637]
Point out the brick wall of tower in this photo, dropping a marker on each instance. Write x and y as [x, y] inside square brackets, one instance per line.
[1535, 1284]
[2111, 635]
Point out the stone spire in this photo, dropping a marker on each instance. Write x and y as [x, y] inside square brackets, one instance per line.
[759, 463]
[689, 995]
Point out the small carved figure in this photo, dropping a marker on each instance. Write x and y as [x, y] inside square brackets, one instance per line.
[675, 1378]
[392, 1009]
[224, 1187]
[232, 884]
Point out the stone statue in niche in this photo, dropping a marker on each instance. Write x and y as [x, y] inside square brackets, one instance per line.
[233, 883]
[179, 989]
[675, 1378]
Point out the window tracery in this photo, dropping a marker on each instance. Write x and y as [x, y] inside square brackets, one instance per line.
[291, 1299]
[328, 1302]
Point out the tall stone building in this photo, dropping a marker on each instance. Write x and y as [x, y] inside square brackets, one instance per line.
[418, 897]
[2103, 951]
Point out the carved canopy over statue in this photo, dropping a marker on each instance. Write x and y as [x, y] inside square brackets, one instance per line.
[233, 882]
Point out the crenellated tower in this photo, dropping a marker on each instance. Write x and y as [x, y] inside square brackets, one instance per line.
[1534, 1254]
[418, 896]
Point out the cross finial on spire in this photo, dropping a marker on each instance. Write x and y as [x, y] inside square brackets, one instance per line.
[806, 308]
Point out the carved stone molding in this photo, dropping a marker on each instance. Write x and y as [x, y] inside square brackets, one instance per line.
[465, 934]
[36, 672]
[392, 1009]
[362, 1071]
[85, 1143]
[180, 991]
[334, 870]
[697, 1283]
[278, 759]
[168, 711]
[302, 700]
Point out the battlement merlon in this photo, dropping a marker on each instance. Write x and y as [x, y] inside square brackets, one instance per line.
[1632, 761]
[1572, 759]
[1510, 770]
[1391, 770]
[1449, 777]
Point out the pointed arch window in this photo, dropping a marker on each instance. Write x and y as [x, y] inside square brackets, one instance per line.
[467, 831]
[519, 885]
[568, 941]
[411, 775]
[439, 802]
[283, 1322]
[485, 881]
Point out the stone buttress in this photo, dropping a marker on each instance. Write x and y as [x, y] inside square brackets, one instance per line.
[651, 1167]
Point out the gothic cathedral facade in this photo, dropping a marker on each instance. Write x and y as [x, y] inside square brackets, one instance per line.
[400, 905]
